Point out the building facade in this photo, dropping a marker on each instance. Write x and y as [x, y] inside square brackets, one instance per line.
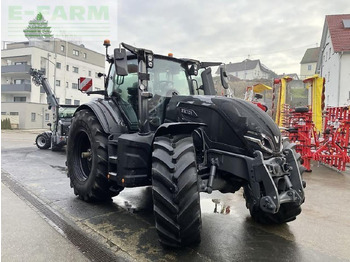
[334, 59]
[249, 70]
[63, 63]
[309, 62]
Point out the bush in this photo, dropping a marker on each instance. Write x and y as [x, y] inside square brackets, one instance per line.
[6, 123]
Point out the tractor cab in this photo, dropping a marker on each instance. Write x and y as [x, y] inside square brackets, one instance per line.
[142, 84]
[168, 77]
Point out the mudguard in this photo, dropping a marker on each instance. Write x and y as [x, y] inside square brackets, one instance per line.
[177, 128]
[108, 114]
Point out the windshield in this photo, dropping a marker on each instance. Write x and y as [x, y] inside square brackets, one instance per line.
[66, 112]
[167, 78]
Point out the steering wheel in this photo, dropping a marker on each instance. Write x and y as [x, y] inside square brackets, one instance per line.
[164, 87]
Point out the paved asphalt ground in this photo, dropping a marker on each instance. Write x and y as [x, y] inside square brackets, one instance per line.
[42, 220]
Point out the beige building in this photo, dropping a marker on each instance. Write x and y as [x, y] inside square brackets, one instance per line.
[309, 62]
[63, 63]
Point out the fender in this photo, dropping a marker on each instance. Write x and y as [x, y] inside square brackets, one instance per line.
[177, 128]
[47, 133]
[108, 114]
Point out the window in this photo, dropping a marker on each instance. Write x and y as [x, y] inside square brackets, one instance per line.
[19, 81]
[19, 99]
[85, 55]
[67, 84]
[326, 55]
[67, 67]
[68, 101]
[62, 48]
[14, 113]
[33, 116]
[58, 100]
[76, 102]
[58, 65]
[58, 82]
[3, 113]
[309, 67]
[47, 116]
[89, 73]
[75, 52]
[74, 85]
[75, 69]
[329, 53]
[329, 74]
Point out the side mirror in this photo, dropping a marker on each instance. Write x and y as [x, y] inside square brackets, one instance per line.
[208, 83]
[49, 124]
[120, 62]
[99, 75]
[223, 77]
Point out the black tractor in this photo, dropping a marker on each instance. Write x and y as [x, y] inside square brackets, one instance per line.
[151, 128]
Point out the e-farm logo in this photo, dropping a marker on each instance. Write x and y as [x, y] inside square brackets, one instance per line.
[82, 22]
[62, 13]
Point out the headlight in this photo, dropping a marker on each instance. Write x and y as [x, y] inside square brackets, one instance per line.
[265, 142]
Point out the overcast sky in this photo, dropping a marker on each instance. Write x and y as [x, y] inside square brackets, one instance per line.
[276, 32]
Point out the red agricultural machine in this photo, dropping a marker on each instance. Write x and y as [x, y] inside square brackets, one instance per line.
[320, 134]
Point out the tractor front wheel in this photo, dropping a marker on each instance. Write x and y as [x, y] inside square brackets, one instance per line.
[43, 141]
[176, 191]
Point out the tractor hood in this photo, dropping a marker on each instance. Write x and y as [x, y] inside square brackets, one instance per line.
[231, 122]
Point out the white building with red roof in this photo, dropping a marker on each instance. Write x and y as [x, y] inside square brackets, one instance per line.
[334, 59]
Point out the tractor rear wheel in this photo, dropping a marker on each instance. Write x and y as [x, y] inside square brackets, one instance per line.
[176, 191]
[87, 158]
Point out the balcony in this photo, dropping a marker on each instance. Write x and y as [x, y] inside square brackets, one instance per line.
[20, 88]
[15, 69]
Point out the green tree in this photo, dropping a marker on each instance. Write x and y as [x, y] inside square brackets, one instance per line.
[38, 28]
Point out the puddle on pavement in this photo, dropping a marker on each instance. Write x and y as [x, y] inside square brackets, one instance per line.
[217, 206]
[60, 168]
[135, 199]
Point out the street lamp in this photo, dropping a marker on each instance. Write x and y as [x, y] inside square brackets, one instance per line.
[54, 73]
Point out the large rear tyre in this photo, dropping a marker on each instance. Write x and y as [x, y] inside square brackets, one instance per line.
[87, 158]
[176, 191]
[287, 212]
[43, 141]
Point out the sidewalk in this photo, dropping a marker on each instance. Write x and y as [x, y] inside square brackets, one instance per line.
[25, 236]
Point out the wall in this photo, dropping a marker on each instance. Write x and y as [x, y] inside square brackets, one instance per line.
[344, 90]
[25, 111]
[330, 71]
[251, 74]
[305, 72]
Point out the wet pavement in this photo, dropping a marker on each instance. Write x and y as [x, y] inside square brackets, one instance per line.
[320, 233]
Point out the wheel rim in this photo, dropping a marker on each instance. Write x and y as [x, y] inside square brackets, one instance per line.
[83, 155]
[41, 141]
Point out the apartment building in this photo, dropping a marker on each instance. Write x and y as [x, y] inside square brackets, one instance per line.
[63, 63]
[334, 59]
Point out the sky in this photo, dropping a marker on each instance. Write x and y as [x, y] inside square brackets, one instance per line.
[276, 32]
